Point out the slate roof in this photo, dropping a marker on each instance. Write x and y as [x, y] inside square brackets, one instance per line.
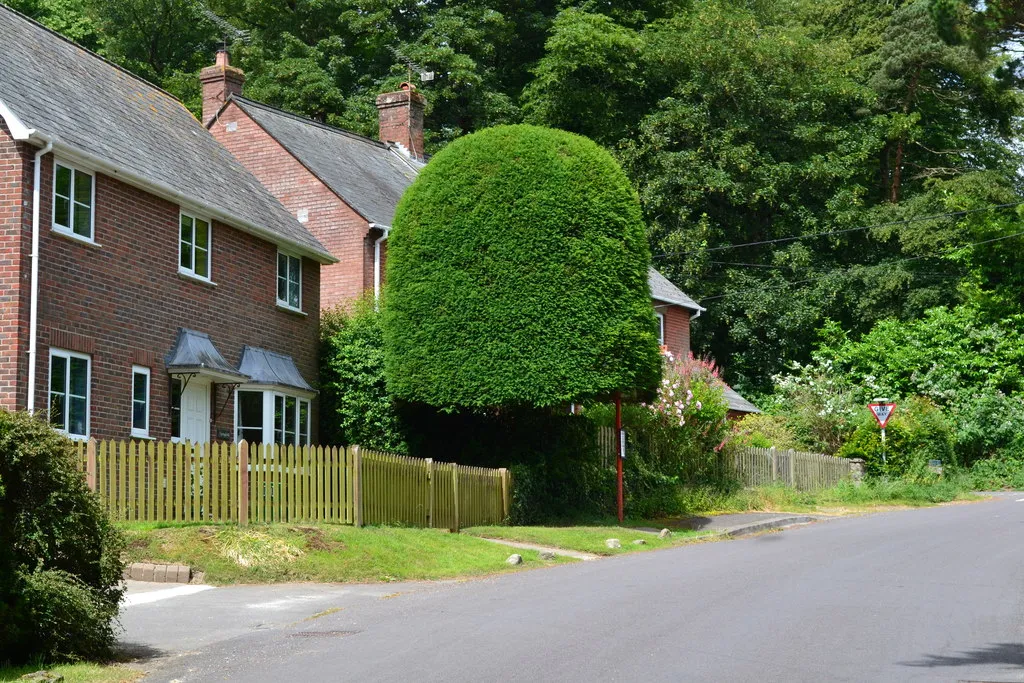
[91, 106]
[267, 367]
[738, 403]
[663, 290]
[194, 352]
[368, 175]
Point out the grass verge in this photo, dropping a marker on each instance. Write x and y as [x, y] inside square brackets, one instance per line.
[78, 673]
[325, 553]
[845, 496]
[586, 539]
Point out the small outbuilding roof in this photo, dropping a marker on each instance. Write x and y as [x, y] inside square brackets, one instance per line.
[370, 176]
[272, 369]
[194, 354]
[130, 129]
[738, 403]
[663, 290]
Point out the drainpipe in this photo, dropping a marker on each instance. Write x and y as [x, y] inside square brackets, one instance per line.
[376, 263]
[33, 311]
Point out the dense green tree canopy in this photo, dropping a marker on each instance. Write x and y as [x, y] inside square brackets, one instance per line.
[517, 275]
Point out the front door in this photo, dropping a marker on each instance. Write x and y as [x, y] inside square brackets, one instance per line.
[195, 411]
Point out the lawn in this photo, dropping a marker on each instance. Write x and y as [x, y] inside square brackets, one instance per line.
[587, 539]
[325, 553]
[78, 673]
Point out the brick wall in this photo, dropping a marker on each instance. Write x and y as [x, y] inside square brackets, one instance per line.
[344, 233]
[15, 245]
[677, 328]
[124, 301]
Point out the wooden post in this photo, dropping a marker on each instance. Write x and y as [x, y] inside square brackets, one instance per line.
[506, 501]
[455, 489]
[243, 483]
[430, 492]
[90, 465]
[792, 468]
[618, 453]
[357, 484]
[775, 467]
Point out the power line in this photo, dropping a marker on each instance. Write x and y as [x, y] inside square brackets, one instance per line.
[850, 268]
[779, 240]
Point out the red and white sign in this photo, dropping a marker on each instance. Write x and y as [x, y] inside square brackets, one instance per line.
[882, 412]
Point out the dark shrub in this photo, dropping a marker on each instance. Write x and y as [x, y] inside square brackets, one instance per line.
[60, 566]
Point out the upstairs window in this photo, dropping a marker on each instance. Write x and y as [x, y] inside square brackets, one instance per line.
[73, 195]
[140, 401]
[194, 247]
[69, 392]
[289, 281]
[661, 328]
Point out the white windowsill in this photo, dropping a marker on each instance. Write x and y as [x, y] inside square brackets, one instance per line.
[143, 437]
[61, 231]
[188, 275]
[289, 309]
[74, 437]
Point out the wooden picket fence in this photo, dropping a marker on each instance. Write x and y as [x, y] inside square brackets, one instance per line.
[803, 471]
[224, 482]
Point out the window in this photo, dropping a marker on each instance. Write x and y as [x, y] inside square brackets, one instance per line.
[267, 416]
[289, 281]
[140, 401]
[73, 195]
[661, 328]
[194, 251]
[69, 392]
[175, 408]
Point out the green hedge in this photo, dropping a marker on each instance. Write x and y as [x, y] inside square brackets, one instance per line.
[517, 274]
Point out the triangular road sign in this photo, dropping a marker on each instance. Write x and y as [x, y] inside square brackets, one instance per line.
[882, 412]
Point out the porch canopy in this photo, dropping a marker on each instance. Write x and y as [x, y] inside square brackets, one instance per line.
[272, 369]
[194, 354]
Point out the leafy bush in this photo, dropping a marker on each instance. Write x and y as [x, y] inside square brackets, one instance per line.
[1003, 471]
[821, 406]
[761, 430]
[60, 566]
[986, 423]
[517, 275]
[355, 405]
[917, 432]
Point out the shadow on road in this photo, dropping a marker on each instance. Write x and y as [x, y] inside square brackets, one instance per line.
[998, 653]
[138, 652]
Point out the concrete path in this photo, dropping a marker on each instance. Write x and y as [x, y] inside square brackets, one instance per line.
[586, 557]
[934, 594]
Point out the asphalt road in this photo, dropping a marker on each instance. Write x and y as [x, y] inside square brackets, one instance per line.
[918, 595]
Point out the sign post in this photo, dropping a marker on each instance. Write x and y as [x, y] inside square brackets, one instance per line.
[620, 448]
[882, 409]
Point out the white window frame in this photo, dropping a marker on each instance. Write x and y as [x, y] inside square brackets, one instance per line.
[269, 426]
[69, 230]
[284, 303]
[67, 356]
[661, 328]
[191, 272]
[142, 370]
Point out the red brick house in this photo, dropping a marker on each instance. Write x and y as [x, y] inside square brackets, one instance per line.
[150, 285]
[345, 187]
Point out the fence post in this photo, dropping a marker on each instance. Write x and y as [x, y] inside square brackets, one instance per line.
[505, 492]
[243, 483]
[792, 468]
[430, 492]
[455, 489]
[357, 484]
[90, 465]
[775, 466]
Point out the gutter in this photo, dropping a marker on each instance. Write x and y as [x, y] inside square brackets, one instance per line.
[376, 262]
[33, 314]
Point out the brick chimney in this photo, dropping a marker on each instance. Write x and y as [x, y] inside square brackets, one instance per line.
[220, 81]
[401, 118]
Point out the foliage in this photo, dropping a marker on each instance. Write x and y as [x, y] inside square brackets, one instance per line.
[761, 430]
[987, 423]
[819, 405]
[1004, 471]
[355, 405]
[517, 274]
[60, 565]
[917, 432]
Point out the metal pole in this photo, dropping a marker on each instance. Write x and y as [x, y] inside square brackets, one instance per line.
[618, 449]
[883, 445]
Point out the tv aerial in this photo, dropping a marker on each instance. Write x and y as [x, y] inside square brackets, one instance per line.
[225, 27]
[424, 74]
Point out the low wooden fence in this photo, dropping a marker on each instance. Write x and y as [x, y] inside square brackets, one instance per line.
[803, 471]
[221, 482]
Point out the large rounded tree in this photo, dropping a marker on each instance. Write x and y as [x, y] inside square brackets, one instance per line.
[517, 275]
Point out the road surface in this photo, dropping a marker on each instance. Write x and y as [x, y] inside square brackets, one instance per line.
[915, 595]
